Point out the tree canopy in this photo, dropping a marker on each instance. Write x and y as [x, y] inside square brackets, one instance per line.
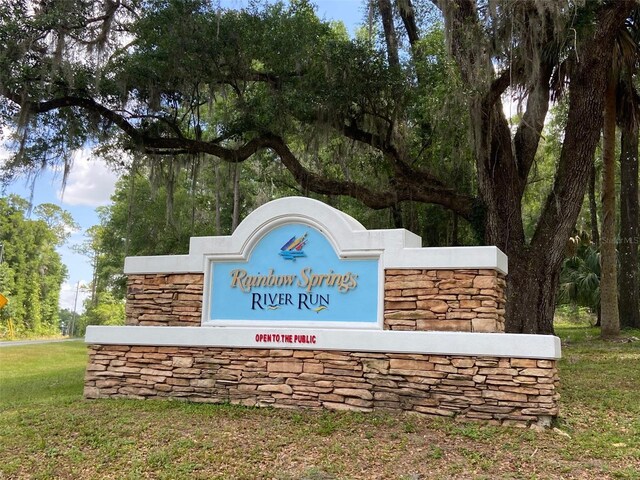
[186, 80]
[31, 271]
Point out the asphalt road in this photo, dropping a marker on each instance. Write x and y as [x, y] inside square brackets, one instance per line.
[17, 343]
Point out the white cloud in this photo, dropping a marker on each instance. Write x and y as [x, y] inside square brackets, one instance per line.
[68, 296]
[71, 231]
[90, 181]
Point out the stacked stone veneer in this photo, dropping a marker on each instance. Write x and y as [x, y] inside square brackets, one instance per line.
[445, 300]
[164, 300]
[499, 390]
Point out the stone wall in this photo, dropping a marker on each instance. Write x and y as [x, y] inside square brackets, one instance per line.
[172, 299]
[414, 299]
[498, 390]
[445, 300]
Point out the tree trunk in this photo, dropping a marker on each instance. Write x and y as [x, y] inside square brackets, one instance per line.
[503, 161]
[608, 270]
[595, 233]
[218, 220]
[194, 183]
[396, 212]
[454, 234]
[629, 299]
[593, 208]
[94, 281]
[532, 284]
[235, 220]
[170, 185]
[386, 13]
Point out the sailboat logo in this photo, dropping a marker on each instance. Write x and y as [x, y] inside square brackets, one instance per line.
[293, 248]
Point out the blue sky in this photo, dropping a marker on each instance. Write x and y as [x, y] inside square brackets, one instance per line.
[90, 183]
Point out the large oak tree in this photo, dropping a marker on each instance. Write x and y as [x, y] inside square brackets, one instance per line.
[181, 77]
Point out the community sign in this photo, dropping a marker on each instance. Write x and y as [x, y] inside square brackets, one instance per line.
[294, 275]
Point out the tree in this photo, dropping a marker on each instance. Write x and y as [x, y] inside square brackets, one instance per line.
[264, 77]
[623, 67]
[629, 215]
[610, 320]
[580, 277]
[628, 107]
[31, 272]
[504, 164]
[58, 221]
[107, 310]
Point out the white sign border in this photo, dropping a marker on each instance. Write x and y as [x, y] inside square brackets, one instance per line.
[402, 249]
[245, 253]
[382, 341]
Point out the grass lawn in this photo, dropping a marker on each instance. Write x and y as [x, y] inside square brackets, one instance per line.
[47, 430]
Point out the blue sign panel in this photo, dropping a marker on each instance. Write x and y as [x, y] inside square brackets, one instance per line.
[294, 274]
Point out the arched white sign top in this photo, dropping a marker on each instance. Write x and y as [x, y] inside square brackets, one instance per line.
[397, 248]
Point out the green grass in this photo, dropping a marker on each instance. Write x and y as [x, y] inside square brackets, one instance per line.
[48, 431]
[41, 373]
[601, 388]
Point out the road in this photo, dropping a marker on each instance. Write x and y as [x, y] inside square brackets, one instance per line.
[18, 343]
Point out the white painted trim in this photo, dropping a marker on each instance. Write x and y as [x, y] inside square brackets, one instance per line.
[292, 324]
[163, 264]
[402, 249]
[386, 341]
[338, 236]
[487, 258]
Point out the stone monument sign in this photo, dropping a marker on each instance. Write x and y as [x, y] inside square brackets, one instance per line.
[304, 307]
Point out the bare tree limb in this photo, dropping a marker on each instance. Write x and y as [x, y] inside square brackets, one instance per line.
[405, 7]
[529, 132]
[386, 12]
[498, 87]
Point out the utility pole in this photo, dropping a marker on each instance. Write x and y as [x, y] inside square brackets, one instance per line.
[73, 318]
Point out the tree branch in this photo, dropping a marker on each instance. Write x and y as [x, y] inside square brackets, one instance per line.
[408, 184]
[464, 30]
[409, 20]
[498, 87]
[402, 189]
[86, 103]
[582, 131]
[529, 132]
[386, 12]
[376, 199]
[401, 168]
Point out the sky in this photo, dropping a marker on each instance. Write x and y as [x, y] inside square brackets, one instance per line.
[91, 183]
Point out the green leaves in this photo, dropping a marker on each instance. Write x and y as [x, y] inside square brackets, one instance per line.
[31, 272]
[59, 221]
[580, 278]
